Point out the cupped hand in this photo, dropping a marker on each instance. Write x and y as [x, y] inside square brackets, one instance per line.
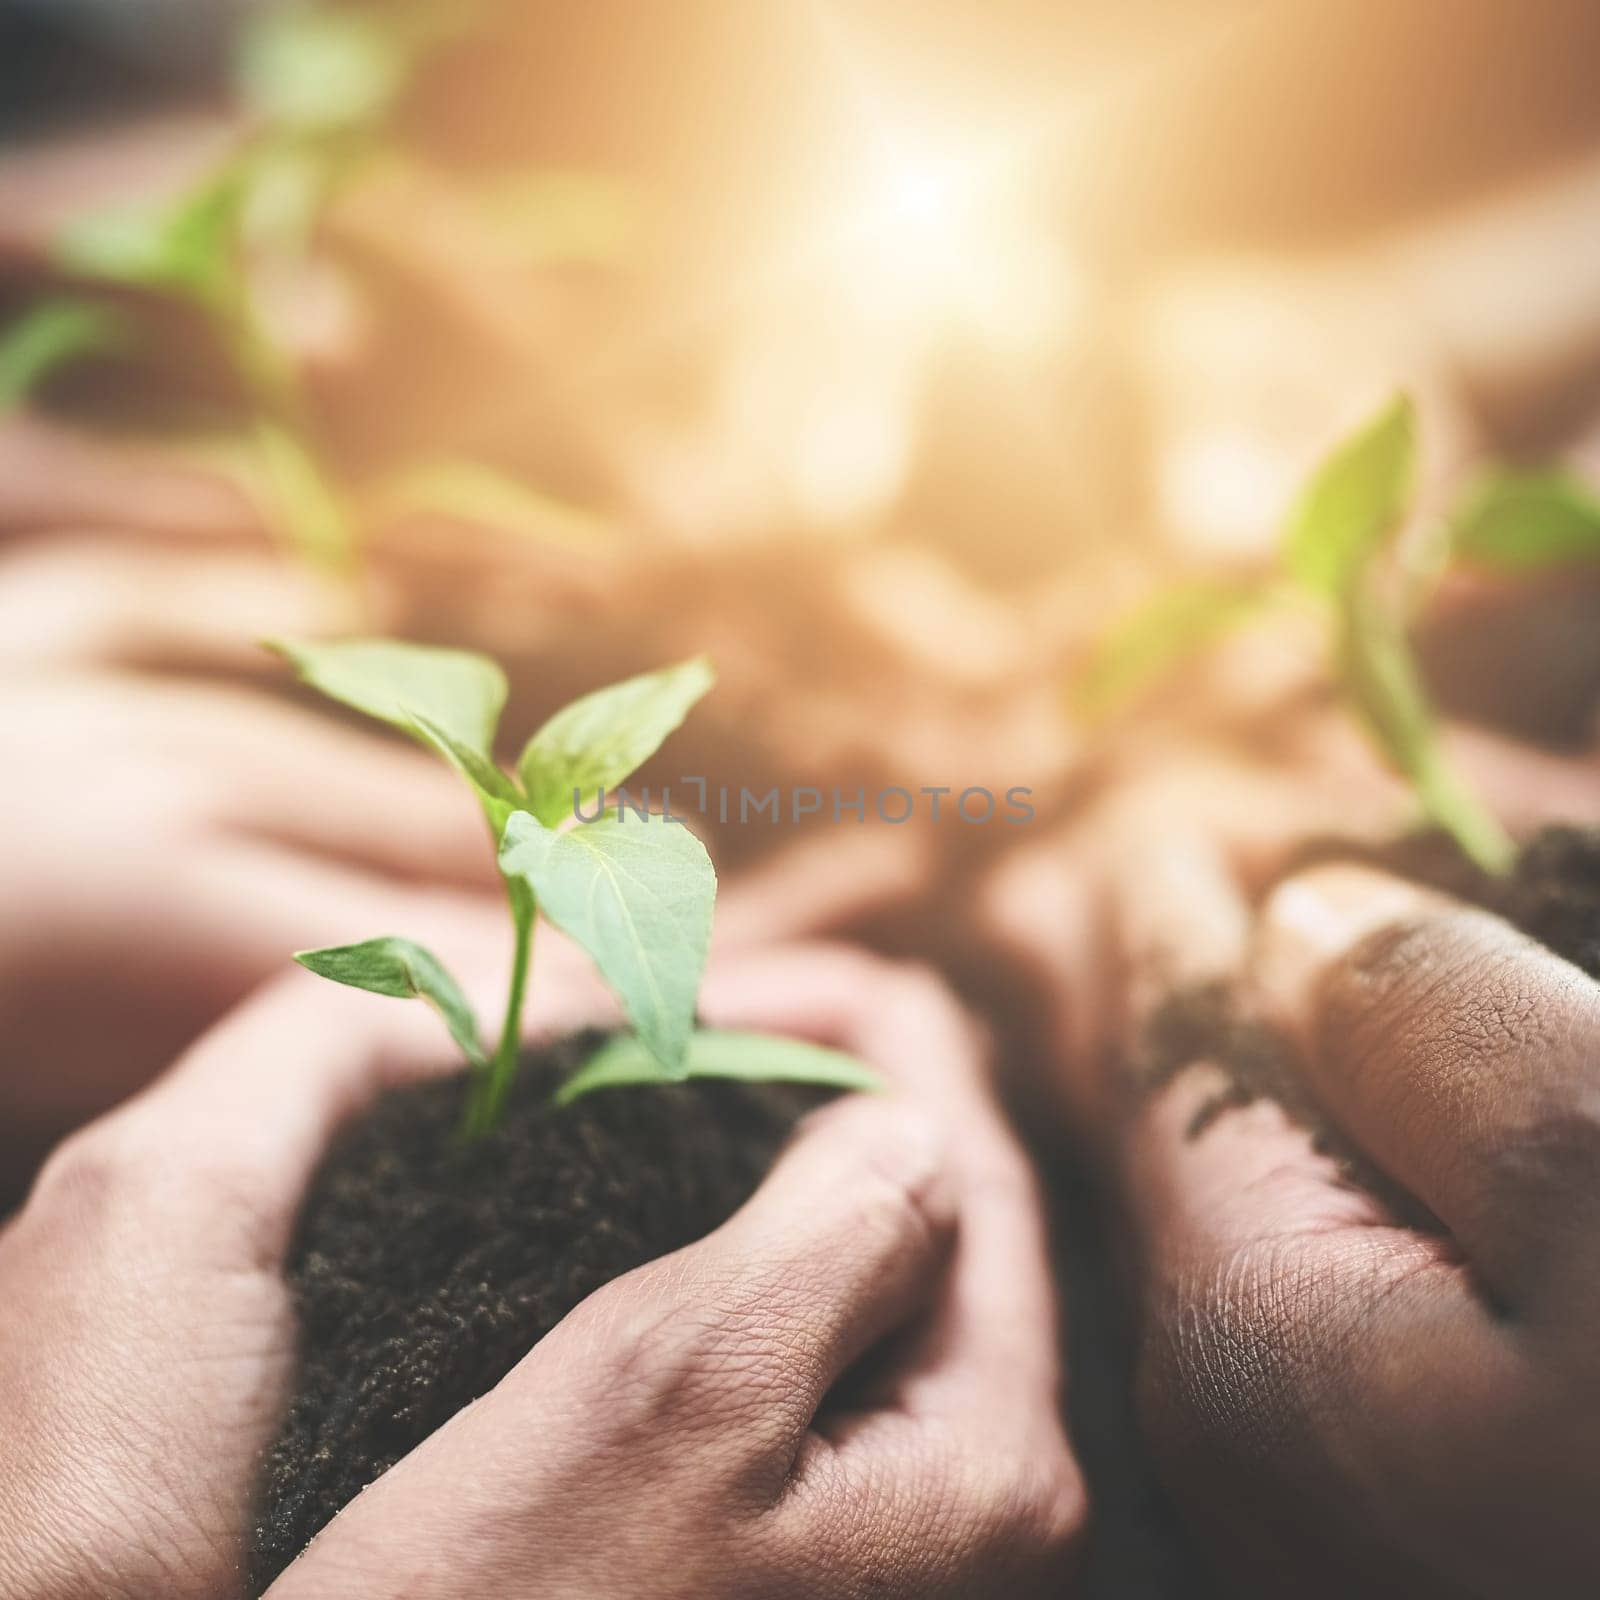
[850, 1388]
[1347, 1397]
[1339, 1393]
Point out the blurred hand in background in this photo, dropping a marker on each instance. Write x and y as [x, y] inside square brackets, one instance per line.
[165, 846]
[1342, 1400]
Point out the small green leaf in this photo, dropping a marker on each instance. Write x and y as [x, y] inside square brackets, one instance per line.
[496, 793]
[304, 505]
[749, 1057]
[1382, 678]
[318, 68]
[600, 740]
[407, 971]
[540, 218]
[49, 337]
[471, 491]
[459, 692]
[637, 895]
[185, 247]
[1171, 627]
[1519, 521]
[1353, 502]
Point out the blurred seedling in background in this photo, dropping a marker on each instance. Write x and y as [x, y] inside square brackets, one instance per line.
[635, 892]
[319, 85]
[1342, 552]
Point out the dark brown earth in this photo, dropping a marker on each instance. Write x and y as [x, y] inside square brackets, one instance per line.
[424, 1268]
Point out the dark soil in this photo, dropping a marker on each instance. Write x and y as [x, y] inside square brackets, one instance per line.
[1553, 895]
[424, 1268]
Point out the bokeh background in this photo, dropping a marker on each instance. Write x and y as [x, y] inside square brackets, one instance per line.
[885, 350]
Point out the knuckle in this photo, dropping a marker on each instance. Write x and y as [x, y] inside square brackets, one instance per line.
[1049, 1508]
[1385, 994]
[1557, 1147]
[692, 1357]
[915, 986]
[916, 983]
[891, 1198]
[1474, 1018]
[1445, 990]
[1212, 1368]
[94, 1170]
[126, 1170]
[1019, 1517]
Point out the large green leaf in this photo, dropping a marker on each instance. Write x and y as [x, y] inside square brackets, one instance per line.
[49, 337]
[749, 1057]
[1523, 520]
[600, 740]
[407, 971]
[1172, 626]
[316, 67]
[1354, 502]
[458, 692]
[637, 895]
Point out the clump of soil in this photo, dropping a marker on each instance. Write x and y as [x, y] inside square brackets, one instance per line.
[1552, 895]
[425, 1268]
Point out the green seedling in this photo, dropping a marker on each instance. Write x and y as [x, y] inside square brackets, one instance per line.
[1342, 553]
[1520, 520]
[318, 84]
[635, 893]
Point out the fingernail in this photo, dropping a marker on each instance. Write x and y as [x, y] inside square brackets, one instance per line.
[1313, 919]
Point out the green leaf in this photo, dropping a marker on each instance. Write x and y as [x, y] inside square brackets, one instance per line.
[1519, 521]
[600, 740]
[407, 971]
[474, 492]
[540, 218]
[185, 247]
[1353, 502]
[458, 692]
[317, 68]
[637, 895]
[748, 1057]
[1171, 627]
[1382, 677]
[496, 793]
[304, 505]
[49, 337]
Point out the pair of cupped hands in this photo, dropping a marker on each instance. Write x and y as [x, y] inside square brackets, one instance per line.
[852, 1387]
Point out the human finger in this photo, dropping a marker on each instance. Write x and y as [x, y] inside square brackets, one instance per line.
[1455, 1050]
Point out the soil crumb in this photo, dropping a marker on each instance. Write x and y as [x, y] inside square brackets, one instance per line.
[424, 1269]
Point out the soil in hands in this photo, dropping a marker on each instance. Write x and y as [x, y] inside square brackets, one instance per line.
[1553, 895]
[425, 1268]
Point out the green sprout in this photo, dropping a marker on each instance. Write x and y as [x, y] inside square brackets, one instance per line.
[319, 84]
[1521, 520]
[635, 893]
[1340, 549]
